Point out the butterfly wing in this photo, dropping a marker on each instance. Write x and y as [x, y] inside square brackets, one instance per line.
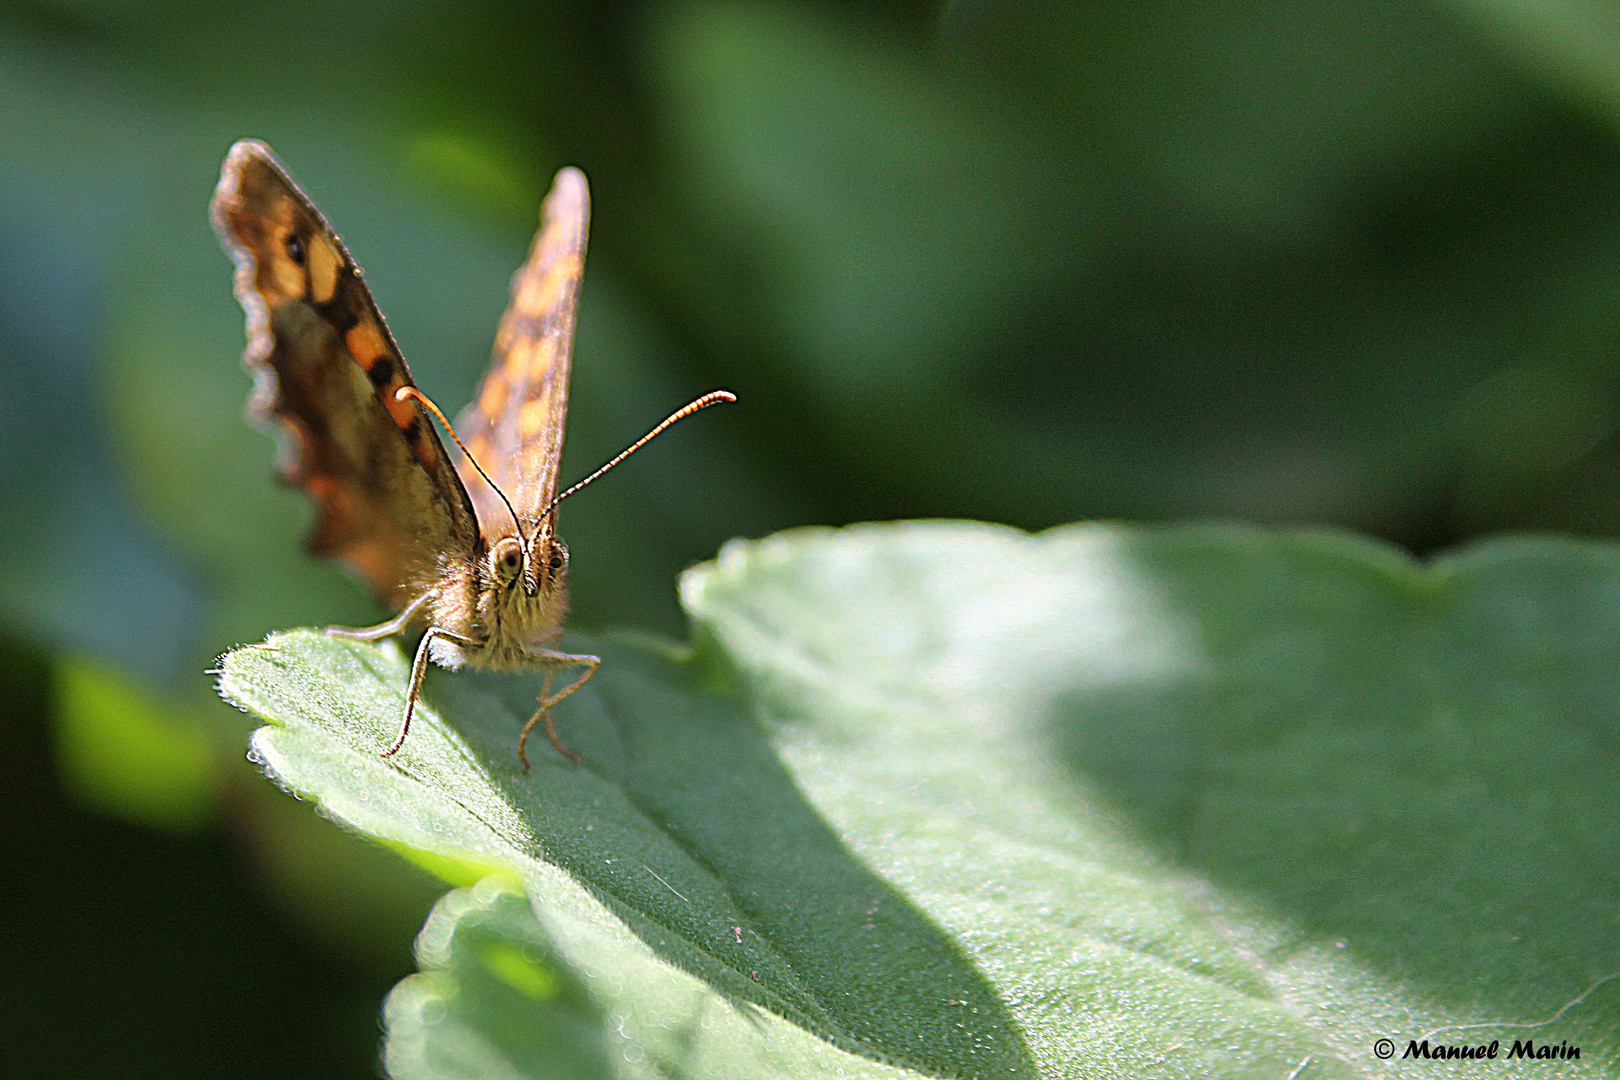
[389, 502]
[514, 428]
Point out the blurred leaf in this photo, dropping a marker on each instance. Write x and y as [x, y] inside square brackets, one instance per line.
[142, 952]
[125, 753]
[1535, 421]
[1117, 259]
[84, 571]
[1190, 802]
[1572, 45]
[449, 869]
[891, 216]
[492, 999]
[481, 172]
[1243, 121]
[363, 902]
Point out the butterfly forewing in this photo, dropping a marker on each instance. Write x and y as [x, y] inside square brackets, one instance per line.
[514, 428]
[434, 537]
[326, 371]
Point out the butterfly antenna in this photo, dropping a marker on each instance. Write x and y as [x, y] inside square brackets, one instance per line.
[405, 392]
[714, 397]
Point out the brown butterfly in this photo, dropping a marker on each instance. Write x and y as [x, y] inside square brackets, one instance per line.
[472, 553]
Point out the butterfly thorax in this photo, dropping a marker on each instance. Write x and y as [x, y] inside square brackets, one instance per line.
[510, 602]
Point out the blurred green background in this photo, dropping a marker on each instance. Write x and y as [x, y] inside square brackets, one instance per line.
[1351, 262]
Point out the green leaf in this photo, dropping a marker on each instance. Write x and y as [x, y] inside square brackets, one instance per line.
[1573, 46]
[127, 752]
[951, 800]
[684, 826]
[492, 999]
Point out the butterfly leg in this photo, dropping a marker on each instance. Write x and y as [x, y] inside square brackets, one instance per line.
[548, 699]
[418, 672]
[387, 629]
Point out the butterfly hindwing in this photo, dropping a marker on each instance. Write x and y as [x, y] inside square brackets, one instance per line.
[326, 370]
[514, 428]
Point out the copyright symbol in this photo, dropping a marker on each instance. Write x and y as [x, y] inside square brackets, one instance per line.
[1383, 1048]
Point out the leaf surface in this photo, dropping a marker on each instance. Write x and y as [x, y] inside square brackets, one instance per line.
[951, 800]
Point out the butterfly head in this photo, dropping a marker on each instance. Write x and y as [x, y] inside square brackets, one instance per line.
[540, 565]
[547, 560]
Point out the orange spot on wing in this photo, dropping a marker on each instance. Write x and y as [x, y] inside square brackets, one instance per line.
[425, 454]
[321, 487]
[492, 398]
[539, 294]
[533, 416]
[365, 344]
[541, 357]
[323, 269]
[403, 412]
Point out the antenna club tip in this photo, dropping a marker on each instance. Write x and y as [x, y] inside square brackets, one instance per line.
[713, 397]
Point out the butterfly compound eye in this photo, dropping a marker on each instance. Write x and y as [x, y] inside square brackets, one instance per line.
[506, 560]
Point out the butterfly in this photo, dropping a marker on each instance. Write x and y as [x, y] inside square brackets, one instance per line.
[471, 553]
